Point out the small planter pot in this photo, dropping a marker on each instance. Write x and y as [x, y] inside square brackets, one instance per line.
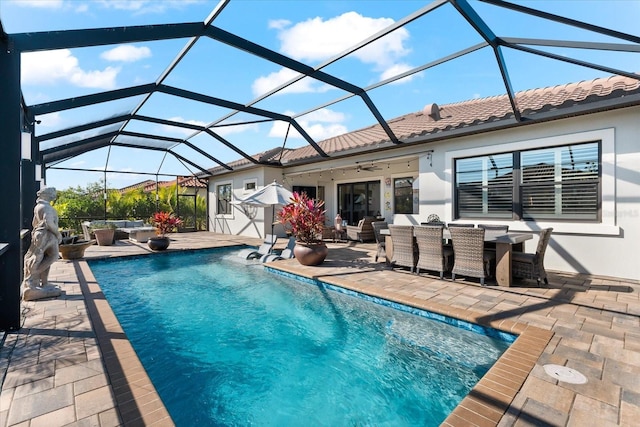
[74, 250]
[158, 243]
[105, 236]
[310, 253]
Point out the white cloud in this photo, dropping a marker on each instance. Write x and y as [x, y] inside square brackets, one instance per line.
[264, 84]
[225, 131]
[181, 131]
[396, 69]
[42, 4]
[279, 24]
[324, 115]
[78, 164]
[50, 67]
[317, 40]
[126, 53]
[147, 6]
[190, 122]
[320, 125]
[105, 79]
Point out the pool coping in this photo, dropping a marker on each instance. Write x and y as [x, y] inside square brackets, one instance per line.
[485, 405]
[489, 400]
[136, 397]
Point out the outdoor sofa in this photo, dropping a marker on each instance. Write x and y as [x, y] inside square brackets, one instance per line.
[135, 230]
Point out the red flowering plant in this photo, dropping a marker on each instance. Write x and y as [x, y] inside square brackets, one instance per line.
[305, 216]
[165, 222]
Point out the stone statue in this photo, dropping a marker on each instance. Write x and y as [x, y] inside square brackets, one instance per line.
[43, 251]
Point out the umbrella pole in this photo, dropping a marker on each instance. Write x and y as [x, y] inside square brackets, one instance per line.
[273, 216]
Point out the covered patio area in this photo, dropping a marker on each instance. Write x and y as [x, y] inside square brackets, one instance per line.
[71, 362]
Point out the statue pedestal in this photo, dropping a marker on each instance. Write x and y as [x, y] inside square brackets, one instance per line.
[35, 293]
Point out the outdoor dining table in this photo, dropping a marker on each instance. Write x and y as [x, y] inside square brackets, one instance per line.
[506, 243]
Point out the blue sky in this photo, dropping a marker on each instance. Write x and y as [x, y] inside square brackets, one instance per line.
[310, 32]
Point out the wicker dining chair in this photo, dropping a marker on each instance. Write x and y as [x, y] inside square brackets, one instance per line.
[380, 239]
[432, 254]
[404, 253]
[531, 266]
[470, 258]
[494, 229]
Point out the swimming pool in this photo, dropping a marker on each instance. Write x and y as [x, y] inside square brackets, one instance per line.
[229, 344]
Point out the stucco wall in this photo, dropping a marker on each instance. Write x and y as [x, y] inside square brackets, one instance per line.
[246, 221]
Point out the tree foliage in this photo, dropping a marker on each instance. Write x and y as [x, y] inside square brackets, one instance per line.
[75, 205]
[78, 204]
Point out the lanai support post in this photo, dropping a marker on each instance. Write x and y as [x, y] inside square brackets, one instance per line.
[10, 220]
[29, 182]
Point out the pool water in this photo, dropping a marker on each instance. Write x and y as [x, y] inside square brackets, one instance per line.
[231, 344]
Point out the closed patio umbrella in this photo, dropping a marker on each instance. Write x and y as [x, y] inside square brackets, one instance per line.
[272, 195]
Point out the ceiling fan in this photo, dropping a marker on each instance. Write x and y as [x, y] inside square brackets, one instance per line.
[370, 168]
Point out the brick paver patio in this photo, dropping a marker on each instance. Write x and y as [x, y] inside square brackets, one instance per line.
[71, 364]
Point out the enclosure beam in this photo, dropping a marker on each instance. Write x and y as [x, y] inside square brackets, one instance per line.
[10, 128]
[69, 39]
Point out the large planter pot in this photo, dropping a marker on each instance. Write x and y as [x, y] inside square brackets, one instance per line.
[310, 253]
[158, 243]
[74, 250]
[104, 236]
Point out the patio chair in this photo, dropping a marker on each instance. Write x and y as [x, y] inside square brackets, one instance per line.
[363, 232]
[493, 229]
[287, 253]
[404, 252]
[453, 225]
[531, 266]
[380, 239]
[470, 257]
[265, 248]
[432, 254]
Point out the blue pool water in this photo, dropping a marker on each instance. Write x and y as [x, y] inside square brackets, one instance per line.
[228, 344]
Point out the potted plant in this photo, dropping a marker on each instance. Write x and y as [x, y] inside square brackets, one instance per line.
[72, 246]
[104, 232]
[165, 223]
[305, 218]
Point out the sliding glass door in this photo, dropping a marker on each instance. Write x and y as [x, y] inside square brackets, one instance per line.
[359, 199]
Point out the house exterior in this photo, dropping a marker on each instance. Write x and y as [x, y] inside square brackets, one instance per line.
[572, 163]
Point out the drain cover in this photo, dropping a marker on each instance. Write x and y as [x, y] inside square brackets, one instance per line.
[562, 373]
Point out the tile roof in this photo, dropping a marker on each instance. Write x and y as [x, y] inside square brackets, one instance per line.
[467, 114]
[142, 185]
[149, 185]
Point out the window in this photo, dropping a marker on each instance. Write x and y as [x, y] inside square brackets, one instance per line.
[543, 184]
[403, 195]
[223, 192]
[561, 182]
[250, 185]
[484, 186]
[357, 200]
